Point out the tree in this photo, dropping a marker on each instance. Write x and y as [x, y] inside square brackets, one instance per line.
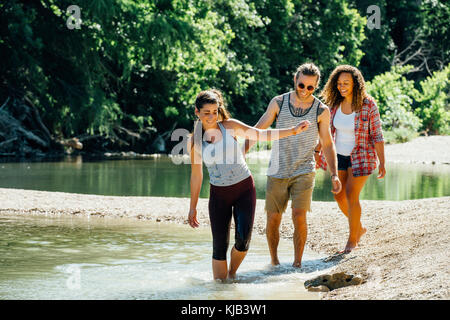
[394, 95]
[433, 102]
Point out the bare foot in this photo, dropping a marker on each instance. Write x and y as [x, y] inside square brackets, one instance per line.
[297, 264]
[349, 247]
[231, 276]
[275, 262]
[362, 231]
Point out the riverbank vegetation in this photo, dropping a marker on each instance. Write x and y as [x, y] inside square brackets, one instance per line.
[120, 75]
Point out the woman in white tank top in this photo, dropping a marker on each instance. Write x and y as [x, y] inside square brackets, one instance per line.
[232, 190]
[345, 131]
[359, 142]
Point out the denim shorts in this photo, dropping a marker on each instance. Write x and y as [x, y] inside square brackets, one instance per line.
[344, 162]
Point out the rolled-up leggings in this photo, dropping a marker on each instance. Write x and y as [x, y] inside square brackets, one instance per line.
[239, 201]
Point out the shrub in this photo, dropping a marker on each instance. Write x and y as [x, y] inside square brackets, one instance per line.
[432, 103]
[394, 94]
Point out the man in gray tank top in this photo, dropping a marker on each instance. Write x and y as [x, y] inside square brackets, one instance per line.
[291, 170]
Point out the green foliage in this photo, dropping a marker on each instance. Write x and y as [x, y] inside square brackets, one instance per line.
[307, 31]
[433, 102]
[394, 96]
[399, 115]
[140, 64]
[412, 32]
[406, 110]
[399, 135]
[378, 44]
[436, 20]
[390, 85]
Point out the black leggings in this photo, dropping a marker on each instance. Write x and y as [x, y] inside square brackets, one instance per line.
[239, 201]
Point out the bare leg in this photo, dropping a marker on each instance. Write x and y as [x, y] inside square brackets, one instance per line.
[273, 235]
[341, 197]
[354, 186]
[300, 234]
[236, 260]
[220, 271]
[342, 201]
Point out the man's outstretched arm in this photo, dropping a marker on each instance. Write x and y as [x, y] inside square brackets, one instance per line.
[265, 121]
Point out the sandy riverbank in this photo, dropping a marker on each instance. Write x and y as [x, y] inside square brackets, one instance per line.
[404, 254]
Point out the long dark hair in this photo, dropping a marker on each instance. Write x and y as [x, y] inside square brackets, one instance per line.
[213, 96]
[331, 95]
[210, 96]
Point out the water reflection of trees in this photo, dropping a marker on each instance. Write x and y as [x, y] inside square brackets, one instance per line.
[161, 178]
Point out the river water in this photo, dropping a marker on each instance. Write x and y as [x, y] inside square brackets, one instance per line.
[105, 258]
[160, 177]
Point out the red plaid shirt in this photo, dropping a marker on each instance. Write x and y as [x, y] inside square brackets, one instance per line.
[367, 133]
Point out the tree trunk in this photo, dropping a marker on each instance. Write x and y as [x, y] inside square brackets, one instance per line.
[23, 134]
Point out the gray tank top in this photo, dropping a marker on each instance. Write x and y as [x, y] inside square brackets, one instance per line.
[294, 155]
[224, 160]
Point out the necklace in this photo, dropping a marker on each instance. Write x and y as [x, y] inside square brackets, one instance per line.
[299, 112]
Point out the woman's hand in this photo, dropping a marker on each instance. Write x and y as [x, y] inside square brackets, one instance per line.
[381, 171]
[317, 150]
[192, 218]
[337, 186]
[302, 126]
[317, 158]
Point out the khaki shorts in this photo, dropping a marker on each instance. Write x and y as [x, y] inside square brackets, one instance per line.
[299, 189]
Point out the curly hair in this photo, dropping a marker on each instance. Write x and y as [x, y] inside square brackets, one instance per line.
[331, 95]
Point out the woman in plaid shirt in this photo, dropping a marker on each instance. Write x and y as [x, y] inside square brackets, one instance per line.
[356, 130]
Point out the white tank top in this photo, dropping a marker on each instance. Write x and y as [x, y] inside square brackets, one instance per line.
[224, 160]
[345, 132]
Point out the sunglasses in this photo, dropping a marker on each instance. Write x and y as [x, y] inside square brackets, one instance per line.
[301, 85]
